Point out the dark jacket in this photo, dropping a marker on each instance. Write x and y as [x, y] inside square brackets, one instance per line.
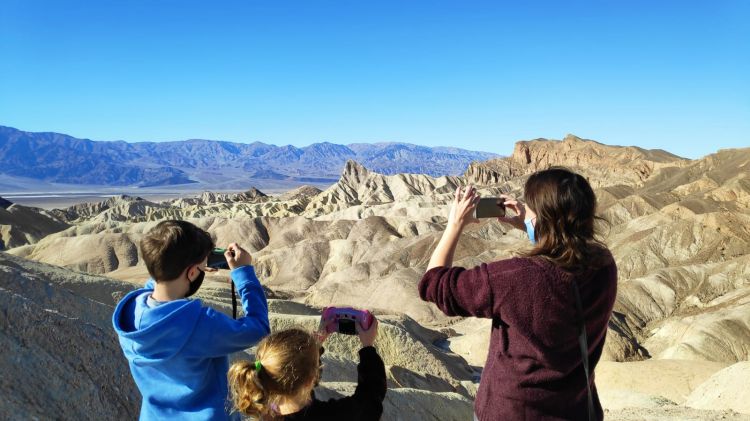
[534, 369]
[365, 404]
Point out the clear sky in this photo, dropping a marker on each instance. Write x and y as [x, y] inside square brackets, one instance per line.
[480, 75]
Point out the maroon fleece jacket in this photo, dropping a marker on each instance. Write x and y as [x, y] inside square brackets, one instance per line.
[534, 369]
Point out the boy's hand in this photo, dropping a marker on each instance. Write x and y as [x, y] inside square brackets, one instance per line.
[237, 256]
[367, 337]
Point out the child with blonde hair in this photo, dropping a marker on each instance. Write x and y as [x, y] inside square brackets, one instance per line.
[279, 384]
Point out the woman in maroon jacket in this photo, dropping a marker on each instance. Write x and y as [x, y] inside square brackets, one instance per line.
[541, 344]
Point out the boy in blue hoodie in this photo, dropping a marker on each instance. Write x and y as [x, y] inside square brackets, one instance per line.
[177, 348]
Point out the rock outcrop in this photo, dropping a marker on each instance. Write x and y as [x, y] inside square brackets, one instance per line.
[358, 185]
[726, 389]
[5, 203]
[61, 358]
[21, 225]
[604, 165]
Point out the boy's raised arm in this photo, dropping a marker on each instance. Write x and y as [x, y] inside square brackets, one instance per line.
[216, 334]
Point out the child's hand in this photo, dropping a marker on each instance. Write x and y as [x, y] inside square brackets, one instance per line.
[321, 335]
[237, 256]
[367, 337]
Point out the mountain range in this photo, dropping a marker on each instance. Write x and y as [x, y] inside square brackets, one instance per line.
[60, 158]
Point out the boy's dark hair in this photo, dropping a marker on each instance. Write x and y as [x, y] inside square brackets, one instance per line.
[171, 246]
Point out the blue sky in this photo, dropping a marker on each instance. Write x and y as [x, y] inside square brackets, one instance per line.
[673, 75]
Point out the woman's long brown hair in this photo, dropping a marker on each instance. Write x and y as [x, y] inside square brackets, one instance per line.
[565, 228]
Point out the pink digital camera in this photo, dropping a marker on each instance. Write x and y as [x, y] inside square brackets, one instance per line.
[344, 320]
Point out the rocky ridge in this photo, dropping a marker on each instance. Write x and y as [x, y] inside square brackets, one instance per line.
[602, 164]
[21, 225]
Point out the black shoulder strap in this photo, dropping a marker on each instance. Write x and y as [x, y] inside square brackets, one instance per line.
[583, 342]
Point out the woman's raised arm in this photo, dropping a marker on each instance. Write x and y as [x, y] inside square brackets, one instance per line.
[461, 214]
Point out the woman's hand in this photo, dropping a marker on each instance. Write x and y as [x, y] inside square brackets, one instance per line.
[462, 210]
[519, 209]
[462, 213]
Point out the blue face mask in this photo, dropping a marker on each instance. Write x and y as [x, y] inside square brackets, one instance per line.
[530, 231]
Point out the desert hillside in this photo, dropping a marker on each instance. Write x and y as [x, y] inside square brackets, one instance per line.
[678, 229]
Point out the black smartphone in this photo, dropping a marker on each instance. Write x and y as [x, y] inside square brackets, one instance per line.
[217, 260]
[490, 207]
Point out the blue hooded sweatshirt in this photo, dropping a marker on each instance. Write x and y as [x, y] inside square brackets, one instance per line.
[178, 351]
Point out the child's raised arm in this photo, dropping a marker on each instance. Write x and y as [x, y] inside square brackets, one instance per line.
[218, 335]
[367, 401]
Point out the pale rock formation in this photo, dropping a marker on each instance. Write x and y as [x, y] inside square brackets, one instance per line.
[726, 389]
[358, 185]
[59, 347]
[672, 413]
[604, 165]
[85, 211]
[22, 225]
[303, 194]
[669, 380]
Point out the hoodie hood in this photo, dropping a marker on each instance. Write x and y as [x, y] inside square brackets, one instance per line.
[151, 335]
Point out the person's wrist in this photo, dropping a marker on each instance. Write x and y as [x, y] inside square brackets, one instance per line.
[454, 228]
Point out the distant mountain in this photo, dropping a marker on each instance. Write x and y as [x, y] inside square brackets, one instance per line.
[60, 158]
[65, 159]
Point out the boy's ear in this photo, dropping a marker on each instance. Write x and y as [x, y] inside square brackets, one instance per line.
[191, 272]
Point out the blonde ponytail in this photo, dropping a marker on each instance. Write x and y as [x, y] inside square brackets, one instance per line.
[249, 395]
[287, 366]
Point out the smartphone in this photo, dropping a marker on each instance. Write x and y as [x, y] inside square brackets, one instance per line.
[490, 207]
[217, 260]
